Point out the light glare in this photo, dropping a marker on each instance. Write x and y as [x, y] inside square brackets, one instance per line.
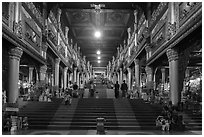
[97, 34]
[98, 52]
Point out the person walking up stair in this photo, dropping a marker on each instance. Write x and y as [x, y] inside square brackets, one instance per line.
[81, 89]
[117, 89]
[75, 90]
[124, 89]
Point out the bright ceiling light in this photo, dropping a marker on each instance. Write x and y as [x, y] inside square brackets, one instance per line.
[99, 61]
[98, 52]
[99, 57]
[97, 34]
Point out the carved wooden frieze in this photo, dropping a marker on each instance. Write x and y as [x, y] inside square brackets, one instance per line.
[31, 31]
[159, 37]
[62, 51]
[5, 12]
[171, 30]
[156, 15]
[34, 11]
[52, 32]
[186, 9]
[141, 21]
[53, 19]
[17, 29]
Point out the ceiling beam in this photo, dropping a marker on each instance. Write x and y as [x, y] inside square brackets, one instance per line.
[93, 38]
[90, 27]
[94, 11]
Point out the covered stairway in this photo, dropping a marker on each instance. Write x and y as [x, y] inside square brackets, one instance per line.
[120, 114]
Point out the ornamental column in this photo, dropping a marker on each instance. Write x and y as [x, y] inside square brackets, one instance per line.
[75, 74]
[13, 75]
[78, 73]
[30, 78]
[173, 57]
[148, 52]
[43, 70]
[115, 77]
[163, 75]
[57, 62]
[118, 74]
[121, 75]
[71, 77]
[65, 77]
[149, 73]
[17, 19]
[129, 78]
[137, 73]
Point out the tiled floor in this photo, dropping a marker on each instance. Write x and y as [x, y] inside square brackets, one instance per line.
[111, 132]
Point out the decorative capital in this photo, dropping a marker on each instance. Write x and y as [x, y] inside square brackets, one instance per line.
[31, 68]
[163, 69]
[15, 53]
[43, 68]
[129, 70]
[172, 54]
[147, 48]
[44, 46]
[57, 61]
[65, 69]
[148, 70]
[136, 61]
[146, 32]
[128, 30]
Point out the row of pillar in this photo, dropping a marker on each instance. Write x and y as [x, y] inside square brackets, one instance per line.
[13, 74]
[173, 75]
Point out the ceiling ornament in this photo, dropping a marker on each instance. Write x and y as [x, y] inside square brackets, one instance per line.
[97, 7]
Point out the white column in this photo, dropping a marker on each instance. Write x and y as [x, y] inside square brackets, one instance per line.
[30, 74]
[163, 75]
[118, 77]
[65, 77]
[71, 77]
[129, 78]
[75, 74]
[149, 73]
[57, 62]
[137, 73]
[121, 75]
[78, 73]
[43, 70]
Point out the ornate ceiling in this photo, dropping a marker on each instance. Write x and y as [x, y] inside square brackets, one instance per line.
[111, 19]
[111, 23]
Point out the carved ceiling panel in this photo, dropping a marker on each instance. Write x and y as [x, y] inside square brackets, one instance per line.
[79, 17]
[111, 23]
[116, 19]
